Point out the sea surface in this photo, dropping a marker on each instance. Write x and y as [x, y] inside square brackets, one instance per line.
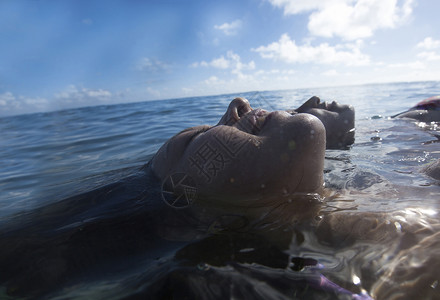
[48, 157]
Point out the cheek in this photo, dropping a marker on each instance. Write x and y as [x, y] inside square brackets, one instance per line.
[216, 155]
[347, 118]
[326, 117]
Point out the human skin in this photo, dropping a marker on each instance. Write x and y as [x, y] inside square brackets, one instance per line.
[413, 273]
[248, 156]
[338, 120]
[422, 115]
[408, 255]
[427, 110]
[433, 169]
[122, 219]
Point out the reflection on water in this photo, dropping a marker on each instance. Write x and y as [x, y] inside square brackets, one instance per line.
[375, 232]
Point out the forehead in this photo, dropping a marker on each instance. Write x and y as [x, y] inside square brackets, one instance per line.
[322, 112]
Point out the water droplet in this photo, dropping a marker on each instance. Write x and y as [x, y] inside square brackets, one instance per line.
[356, 280]
[398, 226]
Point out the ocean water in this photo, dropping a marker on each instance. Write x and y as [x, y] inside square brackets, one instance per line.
[48, 157]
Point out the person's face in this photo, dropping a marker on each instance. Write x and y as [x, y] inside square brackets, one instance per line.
[338, 121]
[249, 154]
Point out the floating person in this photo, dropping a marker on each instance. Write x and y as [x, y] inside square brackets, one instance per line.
[202, 180]
[338, 120]
[251, 169]
[427, 110]
[248, 156]
[432, 169]
[241, 194]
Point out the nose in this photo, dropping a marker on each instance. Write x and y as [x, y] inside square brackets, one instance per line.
[311, 103]
[236, 109]
[314, 101]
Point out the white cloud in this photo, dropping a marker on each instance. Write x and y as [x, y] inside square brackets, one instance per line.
[349, 19]
[330, 73]
[230, 28]
[418, 65]
[429, 55]
[11, 104]
[429, 44]
[214, 80]
[153, 92]
[253, 80]
[6, 98]
[187, 91]
[38, 103]
[286, 50]
[274, 72]
[232, 61]
[428, 49]
[221, 63]
[152, 65]
[82, 96]
[292, 7]
[72, 96]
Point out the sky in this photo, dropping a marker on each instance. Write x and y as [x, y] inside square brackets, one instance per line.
[63, 54]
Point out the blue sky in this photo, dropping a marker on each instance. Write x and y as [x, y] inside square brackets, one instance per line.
[61, 54]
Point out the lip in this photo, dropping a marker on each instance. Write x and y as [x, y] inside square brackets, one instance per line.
[322, 105]
[260, 118]
[267, 117]
[332, 105]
